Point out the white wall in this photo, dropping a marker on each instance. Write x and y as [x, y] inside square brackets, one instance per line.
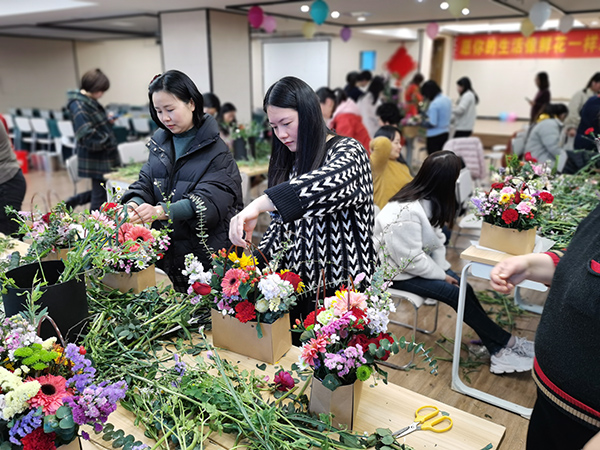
[258, 92]
[35, 72]
[230, 61]
[185, 45]
[129, 65]
[503, 84]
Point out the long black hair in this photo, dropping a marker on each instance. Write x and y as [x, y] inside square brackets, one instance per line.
[181, 86]
[430, 90]
[595, 79]
[543, 80]
[465, 83]
[376, 87]
[436, 182]
[293, 93]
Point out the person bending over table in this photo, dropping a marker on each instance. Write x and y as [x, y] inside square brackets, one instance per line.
[190, 167]
[320, 196]
[567, 361]
[408, 230]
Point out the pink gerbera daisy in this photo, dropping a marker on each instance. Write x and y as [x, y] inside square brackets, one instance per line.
[232, 280]
[123, 229]
[51, 395]
[139, 233]
[312, 348]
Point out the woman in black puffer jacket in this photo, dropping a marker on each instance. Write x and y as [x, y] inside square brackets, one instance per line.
[190, 177]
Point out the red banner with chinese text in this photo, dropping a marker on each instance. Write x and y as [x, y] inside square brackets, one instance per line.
[541, 44]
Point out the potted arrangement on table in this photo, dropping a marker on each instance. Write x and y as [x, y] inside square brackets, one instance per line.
[344, 339]
[244, 140]
[513, 207]
[249, 306]
[131, 251]
[48, 390]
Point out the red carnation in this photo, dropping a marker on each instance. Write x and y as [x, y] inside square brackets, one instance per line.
[509, 216]
[46, 218]
[38, 440]
[201, 288]
[359, 314]
[108, 206]
[293, 278]
[547, 197]
[360, 339]
[529, 158]
[589, 131]
[312, 317]
[245, 311]
[497, 185]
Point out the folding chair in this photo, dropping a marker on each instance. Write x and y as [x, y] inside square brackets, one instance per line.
[133, 152]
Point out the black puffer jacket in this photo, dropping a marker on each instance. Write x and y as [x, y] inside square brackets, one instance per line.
[207, 171]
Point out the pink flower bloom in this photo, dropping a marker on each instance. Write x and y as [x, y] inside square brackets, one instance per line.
[139, 232]
[524, 208]
[311, 348]
[346, 300]
[51, 395]
[284, 381]
[232, 280]
[123, 229]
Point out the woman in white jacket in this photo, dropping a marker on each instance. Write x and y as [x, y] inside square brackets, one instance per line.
[409, 239]
[464, 112]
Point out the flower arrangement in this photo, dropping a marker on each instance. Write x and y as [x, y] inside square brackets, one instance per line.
[236, 286]
[518, 198]
[345, 337]
[49, 231]
[48, 390]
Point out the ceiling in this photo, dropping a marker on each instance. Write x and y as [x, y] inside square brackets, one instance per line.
[118, 19]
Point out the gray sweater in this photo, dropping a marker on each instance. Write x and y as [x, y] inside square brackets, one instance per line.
[8, 161]
[543, 141]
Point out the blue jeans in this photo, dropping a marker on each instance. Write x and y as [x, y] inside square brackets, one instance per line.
[491, 334]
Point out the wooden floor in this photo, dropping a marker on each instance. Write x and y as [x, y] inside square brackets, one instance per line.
[517, 388]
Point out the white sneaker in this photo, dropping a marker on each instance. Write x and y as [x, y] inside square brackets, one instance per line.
[523, 347]
[507, 361]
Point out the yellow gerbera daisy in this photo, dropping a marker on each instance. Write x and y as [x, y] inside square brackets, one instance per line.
[243, 261]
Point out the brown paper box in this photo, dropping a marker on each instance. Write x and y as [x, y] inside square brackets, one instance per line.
[138, 281]
[342, 403]
[60, 253]
[514, 242]
[231, 334]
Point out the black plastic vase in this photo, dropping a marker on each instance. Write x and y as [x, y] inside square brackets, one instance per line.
[66, 302]
[240, 152]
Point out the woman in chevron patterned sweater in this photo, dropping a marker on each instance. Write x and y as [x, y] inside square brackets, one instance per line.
[320, 195]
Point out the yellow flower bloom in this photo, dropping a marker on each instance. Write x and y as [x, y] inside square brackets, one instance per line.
[243, 261]
[505, 197]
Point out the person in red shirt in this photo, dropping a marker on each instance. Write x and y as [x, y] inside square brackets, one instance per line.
[413, 96]
[343, 116]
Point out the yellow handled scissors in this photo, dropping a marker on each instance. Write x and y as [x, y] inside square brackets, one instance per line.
[426, 421]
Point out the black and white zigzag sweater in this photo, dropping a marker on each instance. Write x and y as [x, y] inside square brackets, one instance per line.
[327, 217]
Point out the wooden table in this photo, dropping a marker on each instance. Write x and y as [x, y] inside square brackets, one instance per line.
[18, 246]
[383, 406]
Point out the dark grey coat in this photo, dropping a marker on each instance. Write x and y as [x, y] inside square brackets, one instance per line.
[207, 171]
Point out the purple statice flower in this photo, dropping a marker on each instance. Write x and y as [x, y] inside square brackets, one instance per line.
[94, 404]
[83, 372]
[25, 425]
[345, 360]
[179, 368]
[335, 325]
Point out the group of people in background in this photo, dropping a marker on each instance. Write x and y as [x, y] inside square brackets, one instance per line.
[342, 199]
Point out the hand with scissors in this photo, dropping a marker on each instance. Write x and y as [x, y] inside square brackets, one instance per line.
[426, 421]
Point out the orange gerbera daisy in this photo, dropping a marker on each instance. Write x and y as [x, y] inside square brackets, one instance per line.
[123, 229]
[139, 233]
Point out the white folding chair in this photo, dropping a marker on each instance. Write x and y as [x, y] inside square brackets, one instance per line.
[141, 126]
[41, 132]
[133, 152]
[464, 193]
[25, 132]
[45, 114]
[72, 171]
[416, 301]
[11, 126]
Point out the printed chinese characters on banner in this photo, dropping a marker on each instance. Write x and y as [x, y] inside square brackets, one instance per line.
[550, 44]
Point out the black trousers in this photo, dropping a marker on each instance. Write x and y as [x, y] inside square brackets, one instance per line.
[463, 133]
[96, 196]
[12, 193]
[436, 143]
[552, 429]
